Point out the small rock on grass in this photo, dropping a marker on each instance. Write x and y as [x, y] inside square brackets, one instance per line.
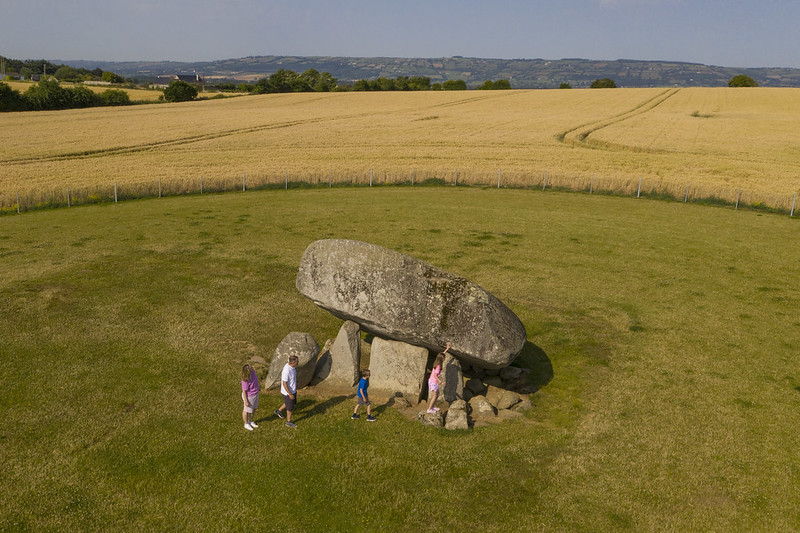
[431, 419]
[523, 405]
[457, 417]
[481, 406]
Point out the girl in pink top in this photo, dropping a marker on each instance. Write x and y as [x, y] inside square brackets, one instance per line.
[250, 390]
[435, 381]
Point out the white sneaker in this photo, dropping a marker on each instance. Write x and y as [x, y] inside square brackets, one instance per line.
[436, 409]
[254, 424]
[430, 411]
[248, 427]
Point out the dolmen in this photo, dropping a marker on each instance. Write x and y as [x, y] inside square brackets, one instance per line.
[412, 309]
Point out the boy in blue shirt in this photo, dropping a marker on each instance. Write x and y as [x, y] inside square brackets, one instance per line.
[363, 397]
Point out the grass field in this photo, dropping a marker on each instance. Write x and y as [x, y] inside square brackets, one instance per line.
[672, 331]
[718, 140]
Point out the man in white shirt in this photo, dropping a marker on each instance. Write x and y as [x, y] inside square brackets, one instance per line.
[288, 390]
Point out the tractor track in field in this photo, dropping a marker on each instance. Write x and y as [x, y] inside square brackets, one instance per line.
[102, 152]
[579, 135]
[180, 141]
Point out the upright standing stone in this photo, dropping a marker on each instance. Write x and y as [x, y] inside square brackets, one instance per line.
[453, 379]
[397, 367]
[345, 356]
[394, 296]
[305, 348]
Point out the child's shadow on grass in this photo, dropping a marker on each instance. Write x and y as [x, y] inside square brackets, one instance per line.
[380, 409]
[318, 409]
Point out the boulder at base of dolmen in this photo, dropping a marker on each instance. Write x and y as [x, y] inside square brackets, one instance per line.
[431, 419]
[457, 417]
[398, 297]
[305, 348]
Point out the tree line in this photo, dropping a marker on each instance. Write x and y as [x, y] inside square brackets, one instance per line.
[420, 83]
[50, 95]
[287, 81]
[31, 68]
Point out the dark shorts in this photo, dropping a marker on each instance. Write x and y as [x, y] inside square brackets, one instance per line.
[362, 401]
[290, 403]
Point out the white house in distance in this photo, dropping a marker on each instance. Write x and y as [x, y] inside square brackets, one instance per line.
[195, 79]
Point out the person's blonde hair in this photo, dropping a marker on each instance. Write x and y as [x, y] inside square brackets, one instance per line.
[247, 371]
[439, 361]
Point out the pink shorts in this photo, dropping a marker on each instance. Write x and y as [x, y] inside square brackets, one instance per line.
[433, 386]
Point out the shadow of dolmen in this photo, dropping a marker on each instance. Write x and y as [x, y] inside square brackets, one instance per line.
[504, 389]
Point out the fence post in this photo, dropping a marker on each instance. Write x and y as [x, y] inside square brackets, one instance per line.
[412, 177]
[159, 187]
[68, 202]
[791, 214]
[244, 185]
[456, 180]
[370, 177]
[115, 192]
[591, 185]
[330, 178]
[286, 180]
[738, 196]
[499, 173]
[639, 191]
[686, 197]
[18, 203]
[544, 181]
[201, 184]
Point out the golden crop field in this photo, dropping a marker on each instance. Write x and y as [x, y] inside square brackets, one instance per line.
[715, 139]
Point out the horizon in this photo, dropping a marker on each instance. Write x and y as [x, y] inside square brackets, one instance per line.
[708, 32]
[58, 61]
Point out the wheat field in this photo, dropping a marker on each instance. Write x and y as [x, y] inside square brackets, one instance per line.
[718, 140]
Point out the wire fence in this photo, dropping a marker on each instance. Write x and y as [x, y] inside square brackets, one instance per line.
[17, 202]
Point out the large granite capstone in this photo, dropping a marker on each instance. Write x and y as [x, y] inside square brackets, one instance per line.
[398, 297]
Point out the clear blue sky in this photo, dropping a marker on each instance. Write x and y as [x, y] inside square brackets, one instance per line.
[734, 33]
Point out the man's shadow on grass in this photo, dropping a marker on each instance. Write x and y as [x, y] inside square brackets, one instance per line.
[300, 412]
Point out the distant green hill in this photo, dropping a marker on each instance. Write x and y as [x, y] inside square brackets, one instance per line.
[523, 73]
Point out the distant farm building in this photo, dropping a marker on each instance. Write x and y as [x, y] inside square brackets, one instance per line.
[195, 79]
